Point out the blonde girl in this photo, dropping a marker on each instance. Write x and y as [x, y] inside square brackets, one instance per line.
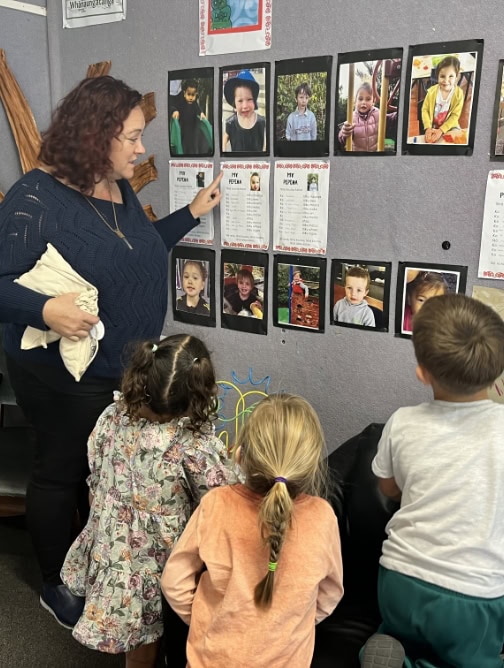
[259, 564]
[152, 455]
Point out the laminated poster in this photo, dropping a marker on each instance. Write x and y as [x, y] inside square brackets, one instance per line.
[230, 26]
[186, 178]
[491, 262]
[80, 13]
[244, 207]
[301, 206]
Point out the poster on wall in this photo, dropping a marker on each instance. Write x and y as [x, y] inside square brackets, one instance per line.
[80, 13]
[418, 282]
[302, 106]
[230, 26]
[497, 143]
[443, 84]
[360, 292]
[244, 291]
[301, 200]
[193, 285]
[299, 292]
[491, 260]
[244, 207]
[244, 109]
[186, 178]
[367, 102]
[190, 112]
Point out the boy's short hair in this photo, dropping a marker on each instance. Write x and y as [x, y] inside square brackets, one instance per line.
[189, 83]
[460, 342]
[359, 272]
[303, 88]
[245, 273]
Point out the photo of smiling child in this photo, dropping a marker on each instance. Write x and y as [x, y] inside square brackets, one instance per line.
[243, 294]
[194, 276]
[244, 108]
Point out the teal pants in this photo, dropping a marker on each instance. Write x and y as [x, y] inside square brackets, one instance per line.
[440, 628]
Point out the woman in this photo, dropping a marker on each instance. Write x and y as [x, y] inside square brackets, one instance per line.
[81, 202]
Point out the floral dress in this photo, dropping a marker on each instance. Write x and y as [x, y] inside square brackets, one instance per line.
[146, 479]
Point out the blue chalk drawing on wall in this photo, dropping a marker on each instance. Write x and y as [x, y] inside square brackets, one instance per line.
[237, 399]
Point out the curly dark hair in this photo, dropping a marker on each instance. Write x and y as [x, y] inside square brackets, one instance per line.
[174, 378]
[77, 144]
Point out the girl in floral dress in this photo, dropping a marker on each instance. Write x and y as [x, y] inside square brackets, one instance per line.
[152, 455]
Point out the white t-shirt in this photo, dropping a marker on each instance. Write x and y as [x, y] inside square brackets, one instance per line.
[448, 460]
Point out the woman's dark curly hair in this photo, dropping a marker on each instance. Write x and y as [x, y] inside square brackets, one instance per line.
[174, 378]
[77, 144]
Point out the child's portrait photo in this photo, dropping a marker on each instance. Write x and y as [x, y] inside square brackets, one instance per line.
[193, 290]
[244, 290]
[367, 102]
[301, 106]
[299, 292]
[244, 109]
[497, 145]
[442, 95]
[200, 179]
[360, 294]
[312, 182]
[255, 181]
[416, 283]
[190, 112]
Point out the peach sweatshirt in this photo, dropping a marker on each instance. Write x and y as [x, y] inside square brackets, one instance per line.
[210, 576]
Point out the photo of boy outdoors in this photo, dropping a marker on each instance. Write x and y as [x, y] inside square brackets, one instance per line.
[298, 294]
[301, 123]
[189, 103]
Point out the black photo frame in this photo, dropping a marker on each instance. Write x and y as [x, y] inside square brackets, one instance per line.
[191, 97]
[497, 143]
[377, 76]
[424, 61]
[417, 282]
[312, 78]
[255, 78]
[203, 261]
[246, 313]
[377, 275]
[299, 292]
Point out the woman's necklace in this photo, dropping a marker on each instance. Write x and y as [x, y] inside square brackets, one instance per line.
[116, 230]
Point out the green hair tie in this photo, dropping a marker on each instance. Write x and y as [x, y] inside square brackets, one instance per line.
[272, 566]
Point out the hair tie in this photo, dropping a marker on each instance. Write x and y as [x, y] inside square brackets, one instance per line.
[195, 359]
[280, 479]
[272, 566]
[154, 347]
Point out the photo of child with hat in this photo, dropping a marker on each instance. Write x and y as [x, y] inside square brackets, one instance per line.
[244, 128]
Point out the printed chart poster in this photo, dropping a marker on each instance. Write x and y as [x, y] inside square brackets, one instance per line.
[230, 26]
[193, 285]
[494, 298]
[244, 207]
[190, 112]
[497, 146]
[299, 292]
[244, 109]
[301, 207]
[417, 282]
[302, 106]
[360, 294]
[367, 102]
[186, 178]
[80, 13]
[244, 291]
[491, 262]
[440, 118]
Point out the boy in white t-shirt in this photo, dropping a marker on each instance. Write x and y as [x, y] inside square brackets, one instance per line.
[441, 579]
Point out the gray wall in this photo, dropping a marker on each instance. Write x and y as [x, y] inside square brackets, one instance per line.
[390, 209]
